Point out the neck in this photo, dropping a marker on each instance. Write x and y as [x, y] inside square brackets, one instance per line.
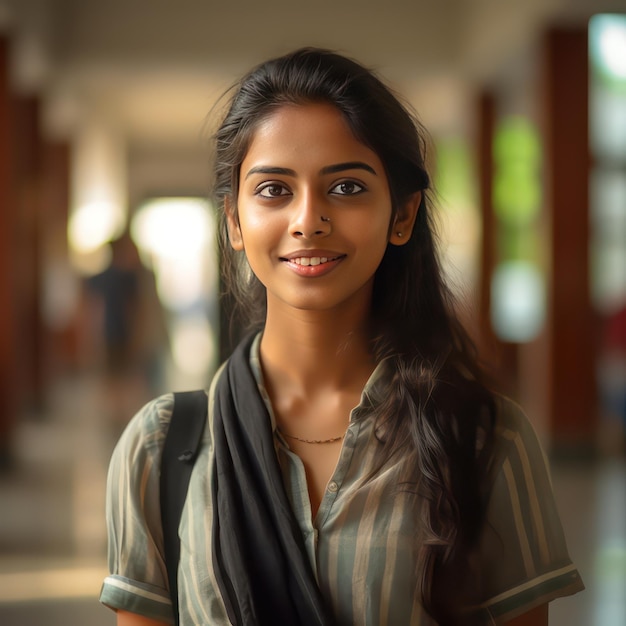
[315, 350]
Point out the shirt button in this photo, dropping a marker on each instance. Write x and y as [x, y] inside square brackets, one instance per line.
[333, 486]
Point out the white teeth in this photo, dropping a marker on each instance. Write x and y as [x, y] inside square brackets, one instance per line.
[314, 260]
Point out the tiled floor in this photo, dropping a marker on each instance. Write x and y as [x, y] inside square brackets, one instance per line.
[592, 502]
[52, 536]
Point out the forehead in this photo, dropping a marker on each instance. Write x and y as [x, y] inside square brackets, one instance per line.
[315, 131]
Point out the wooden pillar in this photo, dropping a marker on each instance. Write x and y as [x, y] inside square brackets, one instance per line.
[7, 296]
[486, 126]
[500, 356]
[572, 402]
[27, 147]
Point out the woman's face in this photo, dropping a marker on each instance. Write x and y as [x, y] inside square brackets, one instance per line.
[313, 210]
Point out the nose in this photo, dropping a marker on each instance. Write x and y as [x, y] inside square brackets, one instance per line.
[310, 219]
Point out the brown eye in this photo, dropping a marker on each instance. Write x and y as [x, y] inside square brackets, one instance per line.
[347, 188]
[272, 190]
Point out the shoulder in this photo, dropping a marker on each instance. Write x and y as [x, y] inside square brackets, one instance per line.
[519, 462]
[147, 429]
[513, 430]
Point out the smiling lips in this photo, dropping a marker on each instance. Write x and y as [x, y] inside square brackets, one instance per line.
[314, 260]
[312, 265]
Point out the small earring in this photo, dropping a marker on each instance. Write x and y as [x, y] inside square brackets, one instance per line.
[325, 219]
[399, 234]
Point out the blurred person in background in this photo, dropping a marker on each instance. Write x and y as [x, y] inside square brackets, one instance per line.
[356, 467]
[126, 332]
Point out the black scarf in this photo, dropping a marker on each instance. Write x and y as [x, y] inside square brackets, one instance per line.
[262, 568]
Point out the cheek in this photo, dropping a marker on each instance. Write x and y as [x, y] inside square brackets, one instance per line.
[379, 231]
[254, 222]
[259, 228]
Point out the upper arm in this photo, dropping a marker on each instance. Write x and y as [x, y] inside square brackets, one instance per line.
[535, 617]
[523, 556]
[133, 505]
[138, 577]
[124, 618]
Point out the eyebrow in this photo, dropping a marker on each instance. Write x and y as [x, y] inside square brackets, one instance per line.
[329, 169]
[350, 165]
[264, 169]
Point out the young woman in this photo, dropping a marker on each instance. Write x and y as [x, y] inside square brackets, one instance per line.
[355, 468]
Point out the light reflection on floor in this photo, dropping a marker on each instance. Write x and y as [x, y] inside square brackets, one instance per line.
[52, 536]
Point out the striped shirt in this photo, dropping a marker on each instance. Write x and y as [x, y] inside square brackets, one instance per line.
[364, 539]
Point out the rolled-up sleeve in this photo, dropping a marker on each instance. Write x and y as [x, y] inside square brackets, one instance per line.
[523, 557]
[137, 580]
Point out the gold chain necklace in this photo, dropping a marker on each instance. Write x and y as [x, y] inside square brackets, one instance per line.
[331, 440]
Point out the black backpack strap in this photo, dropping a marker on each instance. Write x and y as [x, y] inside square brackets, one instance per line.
[179, 454]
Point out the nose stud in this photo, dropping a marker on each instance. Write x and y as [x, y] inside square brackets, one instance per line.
[325, 219]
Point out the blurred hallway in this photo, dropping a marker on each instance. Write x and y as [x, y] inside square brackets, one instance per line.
[104, 109]
[52, 537]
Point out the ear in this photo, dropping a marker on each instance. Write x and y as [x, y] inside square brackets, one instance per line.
[403, 224]
[232, 223]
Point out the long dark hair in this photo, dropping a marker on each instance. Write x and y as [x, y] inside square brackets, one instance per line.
[438, 414]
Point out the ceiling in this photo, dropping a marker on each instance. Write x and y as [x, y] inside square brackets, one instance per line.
[154, 67]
